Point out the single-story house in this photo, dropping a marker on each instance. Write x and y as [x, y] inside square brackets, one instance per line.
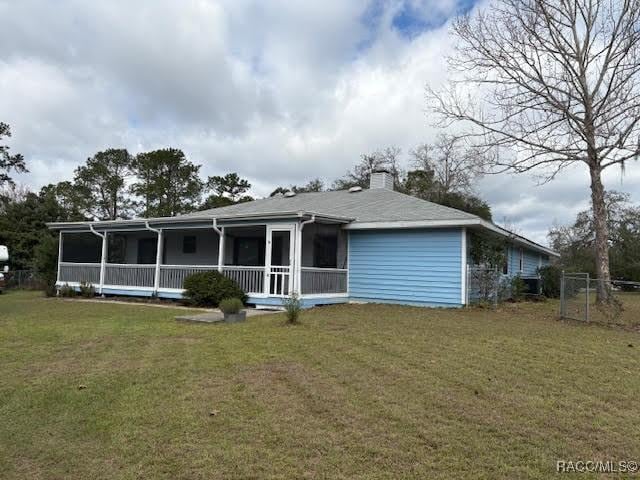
[360, 245]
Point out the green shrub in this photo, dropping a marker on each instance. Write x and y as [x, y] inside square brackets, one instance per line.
[50, 289]
[87, 290]
[292, 306]
[45, 263]
[518, 289]
[550, 278]
[231, 305]
[207, 289]
[67, 291]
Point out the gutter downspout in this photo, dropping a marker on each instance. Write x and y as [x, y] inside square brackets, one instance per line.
[298, 277]
[103, 257]
[220, 232]
[60, 252]
[156, 276]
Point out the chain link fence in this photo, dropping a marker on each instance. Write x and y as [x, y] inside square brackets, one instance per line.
[489, 286]
[578, 300]
[22, 279]
[486, 286]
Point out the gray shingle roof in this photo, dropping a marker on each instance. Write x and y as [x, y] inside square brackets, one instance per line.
[375, 205]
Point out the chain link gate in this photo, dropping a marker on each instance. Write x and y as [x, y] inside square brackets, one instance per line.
[574, 296]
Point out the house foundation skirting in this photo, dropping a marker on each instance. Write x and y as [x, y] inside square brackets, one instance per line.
[177, 294]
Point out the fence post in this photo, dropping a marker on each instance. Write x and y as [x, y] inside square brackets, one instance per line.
[562, 299]
[586, 311]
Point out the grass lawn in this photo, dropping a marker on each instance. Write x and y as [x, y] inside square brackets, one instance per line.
[356, 391]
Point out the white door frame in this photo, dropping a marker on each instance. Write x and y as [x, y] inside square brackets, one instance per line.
[282, 227]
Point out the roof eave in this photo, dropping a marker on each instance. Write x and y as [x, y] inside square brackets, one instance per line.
[197, 219]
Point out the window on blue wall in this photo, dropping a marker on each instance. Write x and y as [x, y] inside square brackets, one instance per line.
[521, 260]
[505, 263]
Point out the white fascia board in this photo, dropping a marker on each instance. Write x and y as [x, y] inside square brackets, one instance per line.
[141, 222]
[412, 224]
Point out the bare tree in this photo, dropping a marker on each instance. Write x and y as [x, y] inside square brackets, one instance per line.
[455, 165]
[557, 82]
[388, 158]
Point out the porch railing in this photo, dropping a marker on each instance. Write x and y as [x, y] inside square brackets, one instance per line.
[323, 280]
[173, 276]
[250, 279]
[129, 275]
[314, 281]
[79, 272]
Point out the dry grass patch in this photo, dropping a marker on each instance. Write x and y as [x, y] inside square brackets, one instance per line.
[356, 391]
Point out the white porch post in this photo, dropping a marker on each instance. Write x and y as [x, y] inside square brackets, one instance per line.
[156, 278]
[297, 277]
[59, 255]
[298, 252]
[103, 261]
[221, 250]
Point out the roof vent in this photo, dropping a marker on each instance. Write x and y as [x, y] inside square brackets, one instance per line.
[355, 189]
[289, 194]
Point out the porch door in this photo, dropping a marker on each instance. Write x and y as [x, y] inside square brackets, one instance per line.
[279, 259]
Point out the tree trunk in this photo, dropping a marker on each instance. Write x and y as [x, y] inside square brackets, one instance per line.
[603, 284]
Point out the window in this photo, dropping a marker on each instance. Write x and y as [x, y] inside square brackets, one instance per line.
[325, 251]
[117, 251]
[505, 264]
[248, 251]
[189, 244]
[147, 250]
[521, 260]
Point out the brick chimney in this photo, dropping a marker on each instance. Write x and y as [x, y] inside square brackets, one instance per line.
[381, 178]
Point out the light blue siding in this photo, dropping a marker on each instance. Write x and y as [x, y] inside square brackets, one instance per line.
[532, 261]
[420, 267]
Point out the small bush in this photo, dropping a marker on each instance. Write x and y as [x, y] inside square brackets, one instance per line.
[292, 306]
[550, 277]
[231, 305]
[50, 289]
[87, 290]
[518, 289]
[67, 291]
[207, 289]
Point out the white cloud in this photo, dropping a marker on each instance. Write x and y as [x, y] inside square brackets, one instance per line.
[280, 92]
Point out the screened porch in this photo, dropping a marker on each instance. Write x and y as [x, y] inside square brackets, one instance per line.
[268, 260]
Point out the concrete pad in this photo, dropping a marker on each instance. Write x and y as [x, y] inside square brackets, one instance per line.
[216, 316]
[209, 317]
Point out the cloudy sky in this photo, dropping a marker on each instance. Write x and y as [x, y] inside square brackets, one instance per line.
[278, 91]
